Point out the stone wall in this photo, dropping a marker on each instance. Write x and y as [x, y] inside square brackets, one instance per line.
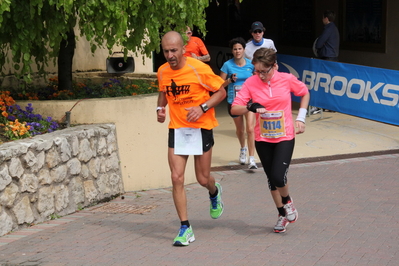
[142, 141]
[57, 173]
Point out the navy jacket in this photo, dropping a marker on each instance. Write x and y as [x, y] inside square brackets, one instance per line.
[327, 44]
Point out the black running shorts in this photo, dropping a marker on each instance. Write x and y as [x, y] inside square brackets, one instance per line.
[207, 139]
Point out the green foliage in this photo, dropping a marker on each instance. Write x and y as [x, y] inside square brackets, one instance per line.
[34, 29]
[54, 216]
[87, 89]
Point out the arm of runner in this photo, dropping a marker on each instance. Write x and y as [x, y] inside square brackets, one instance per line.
[161, 111]
[300, 121]
[195, 112]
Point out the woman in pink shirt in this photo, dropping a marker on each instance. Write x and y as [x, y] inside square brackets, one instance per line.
[268, 95]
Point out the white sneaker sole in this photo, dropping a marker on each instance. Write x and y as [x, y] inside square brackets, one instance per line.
[252, 166]
[180, 244]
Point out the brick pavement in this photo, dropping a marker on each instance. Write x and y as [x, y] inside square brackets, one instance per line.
[348, 215]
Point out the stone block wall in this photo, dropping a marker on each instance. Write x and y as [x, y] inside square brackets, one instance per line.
[57, 173]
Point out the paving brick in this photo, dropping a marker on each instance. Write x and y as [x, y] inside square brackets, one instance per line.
[347, 216]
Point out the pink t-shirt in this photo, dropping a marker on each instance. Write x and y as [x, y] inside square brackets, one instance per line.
[277, 124]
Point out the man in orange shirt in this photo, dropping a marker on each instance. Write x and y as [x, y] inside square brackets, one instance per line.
[185, 85]
[195, 47]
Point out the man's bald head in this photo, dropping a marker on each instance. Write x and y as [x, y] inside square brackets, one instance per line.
[173, 49]
[174, 37]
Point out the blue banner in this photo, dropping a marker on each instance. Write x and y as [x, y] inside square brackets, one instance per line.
[367, 92]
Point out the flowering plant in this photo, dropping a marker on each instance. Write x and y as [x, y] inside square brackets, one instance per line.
[16, 130]
[88, 89]
[38, 124]
[17, 123]
[5, 101]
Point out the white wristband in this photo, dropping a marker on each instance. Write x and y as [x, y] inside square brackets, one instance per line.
[159, 108]
[302, 115]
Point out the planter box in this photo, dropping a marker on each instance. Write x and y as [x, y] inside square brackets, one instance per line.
[142, 141]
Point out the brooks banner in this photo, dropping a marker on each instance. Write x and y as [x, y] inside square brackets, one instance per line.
[367, 92]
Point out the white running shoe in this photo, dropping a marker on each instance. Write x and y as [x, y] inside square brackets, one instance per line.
[252, 164]
[291, 212]
[243, 155]
[281, 224]
[315, 110]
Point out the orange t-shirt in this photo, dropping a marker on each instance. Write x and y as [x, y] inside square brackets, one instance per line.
[188, 87]
[196, 46]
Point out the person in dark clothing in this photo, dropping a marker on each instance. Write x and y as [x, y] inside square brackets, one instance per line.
[327, 44]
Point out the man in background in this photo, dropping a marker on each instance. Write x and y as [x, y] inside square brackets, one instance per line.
[327, 45]
[257, 30]
[195, 47]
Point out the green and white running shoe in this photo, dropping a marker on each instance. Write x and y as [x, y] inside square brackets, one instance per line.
[216, 208]
[184, 237]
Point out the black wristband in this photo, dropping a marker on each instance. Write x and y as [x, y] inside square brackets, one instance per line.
[253, 106]
[231, 78]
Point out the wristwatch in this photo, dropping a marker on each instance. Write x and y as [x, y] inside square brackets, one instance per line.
[204, 107]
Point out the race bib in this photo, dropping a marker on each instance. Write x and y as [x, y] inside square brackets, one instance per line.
[188, 141]
[272, 124]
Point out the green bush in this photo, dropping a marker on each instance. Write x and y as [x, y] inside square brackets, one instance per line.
[83, 90]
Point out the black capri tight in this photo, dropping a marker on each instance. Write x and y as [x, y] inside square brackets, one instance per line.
[275, 159]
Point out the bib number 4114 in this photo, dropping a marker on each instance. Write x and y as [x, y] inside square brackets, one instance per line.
[272, 125]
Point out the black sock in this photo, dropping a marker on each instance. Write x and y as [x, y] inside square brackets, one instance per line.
[286, 199]
[215, 194]
[281, 211]
[185, 223]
